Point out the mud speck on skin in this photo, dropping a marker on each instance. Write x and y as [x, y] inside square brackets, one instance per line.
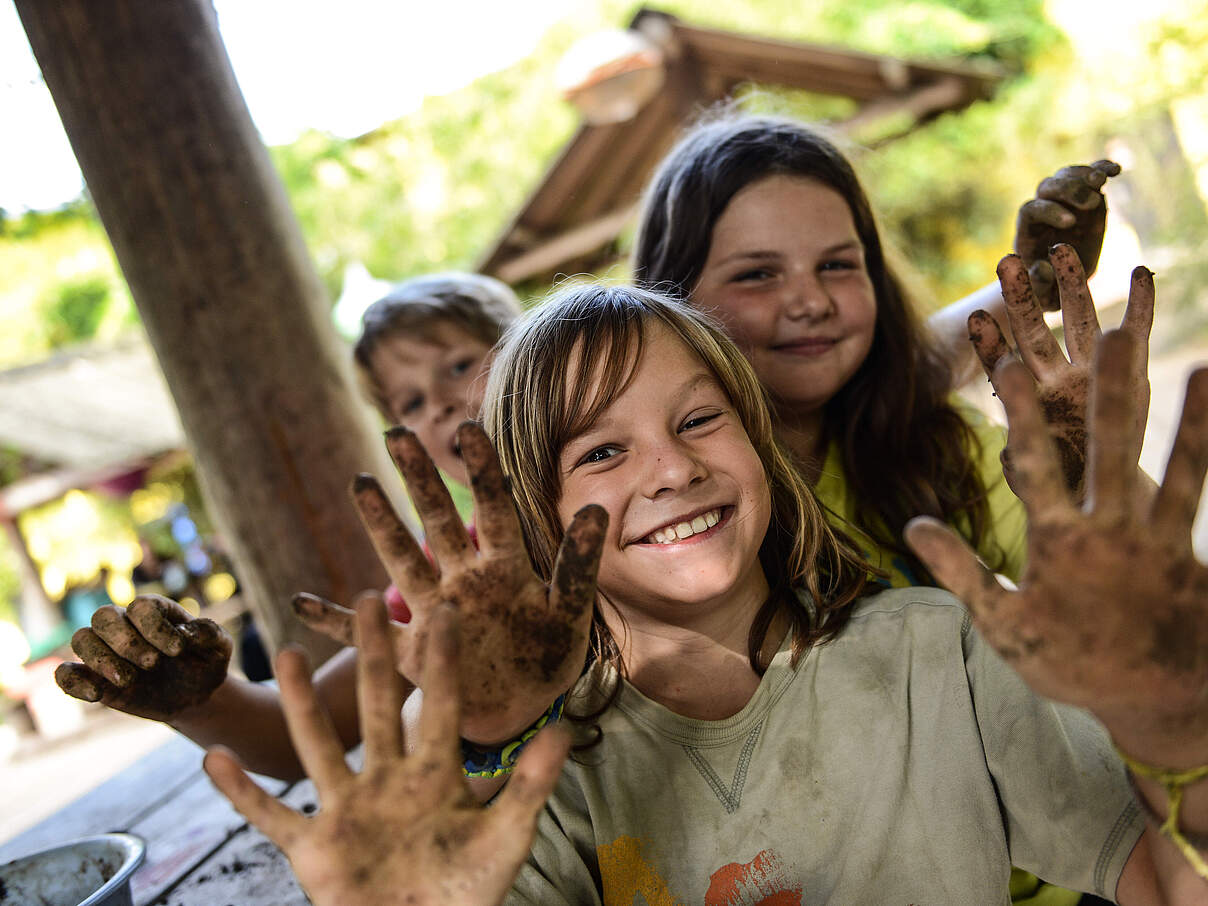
[1173, 645]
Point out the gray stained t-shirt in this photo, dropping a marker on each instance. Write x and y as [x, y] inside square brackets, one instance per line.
[902, 763]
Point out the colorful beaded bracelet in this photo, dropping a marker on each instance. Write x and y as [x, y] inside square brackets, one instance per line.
[479, 761]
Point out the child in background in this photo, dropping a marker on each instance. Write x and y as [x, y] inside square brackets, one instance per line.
[421, 359]
[749, 728]
[424, 352]
[763, 222]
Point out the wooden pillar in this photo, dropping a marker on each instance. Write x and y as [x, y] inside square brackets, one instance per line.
[233, 307]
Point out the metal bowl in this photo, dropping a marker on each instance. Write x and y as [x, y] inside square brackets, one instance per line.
[92, 871]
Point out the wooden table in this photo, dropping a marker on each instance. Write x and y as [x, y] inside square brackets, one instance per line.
[200, 851]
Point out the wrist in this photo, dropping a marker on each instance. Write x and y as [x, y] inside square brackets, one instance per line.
[497, 760]
[497, 729]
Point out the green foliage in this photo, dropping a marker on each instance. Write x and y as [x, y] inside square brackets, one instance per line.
[432, 190]
[74, 310]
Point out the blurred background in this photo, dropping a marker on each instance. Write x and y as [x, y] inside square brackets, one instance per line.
[408, 138]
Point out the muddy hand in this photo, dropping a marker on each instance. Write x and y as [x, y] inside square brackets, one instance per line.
[151, 660]
[406, 830]
[1112, 610]
[1063, 384]
[1069, 207]
[525, 642]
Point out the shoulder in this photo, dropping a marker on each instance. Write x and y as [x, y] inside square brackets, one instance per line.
[914, 604]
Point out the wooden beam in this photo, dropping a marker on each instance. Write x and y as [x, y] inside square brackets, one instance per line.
[234, 309]
[568, 245]
[946, 94]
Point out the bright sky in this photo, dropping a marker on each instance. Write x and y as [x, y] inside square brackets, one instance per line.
[341, 67]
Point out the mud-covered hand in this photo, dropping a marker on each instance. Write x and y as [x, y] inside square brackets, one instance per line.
[1111, 612]
[406, 830]
[152, 659]
[524, 642]
[1063, 384]
[1069, 207]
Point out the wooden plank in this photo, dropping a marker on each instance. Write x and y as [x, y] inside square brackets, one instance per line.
[564, 246]
[246, 868]
[118, 803]
[184, 831]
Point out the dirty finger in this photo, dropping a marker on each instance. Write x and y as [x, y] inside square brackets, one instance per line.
[1037, 475]
[443, 529]
[1038, 348]
[494, 513]
[379, 692]
[396, 547]
[1077, 307]
[988, 341]
[103, 660]
[156, 618]
[80, 682]
[1178, 497]
[1113, 447]
[120, 634]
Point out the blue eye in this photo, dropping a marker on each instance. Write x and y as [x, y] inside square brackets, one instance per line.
[411, 406]
[461, 367]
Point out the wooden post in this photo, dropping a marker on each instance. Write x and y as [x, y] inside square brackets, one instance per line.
[219, 271]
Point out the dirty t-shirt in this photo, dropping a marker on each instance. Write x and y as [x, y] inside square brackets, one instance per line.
[903, 762]
[1004, 541]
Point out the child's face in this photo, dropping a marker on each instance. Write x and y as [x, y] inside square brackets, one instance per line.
[686, 494]
[432, 384]
[785, 273]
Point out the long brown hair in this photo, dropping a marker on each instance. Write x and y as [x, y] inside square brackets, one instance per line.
[905, 449]
[537, 400]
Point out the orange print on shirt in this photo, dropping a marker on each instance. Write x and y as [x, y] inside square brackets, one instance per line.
[625, 873]
[760, 882]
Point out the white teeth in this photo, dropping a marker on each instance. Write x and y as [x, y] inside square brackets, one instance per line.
[678, 532]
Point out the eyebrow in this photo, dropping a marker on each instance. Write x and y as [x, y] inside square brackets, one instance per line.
[681, 393]
[769, 255]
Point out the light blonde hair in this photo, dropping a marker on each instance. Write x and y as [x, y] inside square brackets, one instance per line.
[537, 399]
[482, 307]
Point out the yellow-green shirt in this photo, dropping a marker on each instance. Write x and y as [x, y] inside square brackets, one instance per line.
[1004, 544]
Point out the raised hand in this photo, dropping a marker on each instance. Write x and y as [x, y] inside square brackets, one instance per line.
[406, 830]
[525, 642]
[1063, 385]
[151, 660]
[1068, 208]
[1112, 610]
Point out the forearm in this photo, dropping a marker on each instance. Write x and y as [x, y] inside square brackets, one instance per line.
[248, 719]
[950, 326]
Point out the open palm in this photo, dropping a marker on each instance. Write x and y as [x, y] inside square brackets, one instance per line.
[525, 642]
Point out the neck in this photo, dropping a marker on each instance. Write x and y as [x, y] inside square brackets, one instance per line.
[698, 668]
[802, 434]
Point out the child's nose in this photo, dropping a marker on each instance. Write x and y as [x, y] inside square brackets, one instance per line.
[808, 299]
[670, 468]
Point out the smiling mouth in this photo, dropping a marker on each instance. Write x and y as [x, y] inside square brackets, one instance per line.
[682, 531]
[807, 347]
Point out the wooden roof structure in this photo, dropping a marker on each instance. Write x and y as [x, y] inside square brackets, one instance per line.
[570, 223]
